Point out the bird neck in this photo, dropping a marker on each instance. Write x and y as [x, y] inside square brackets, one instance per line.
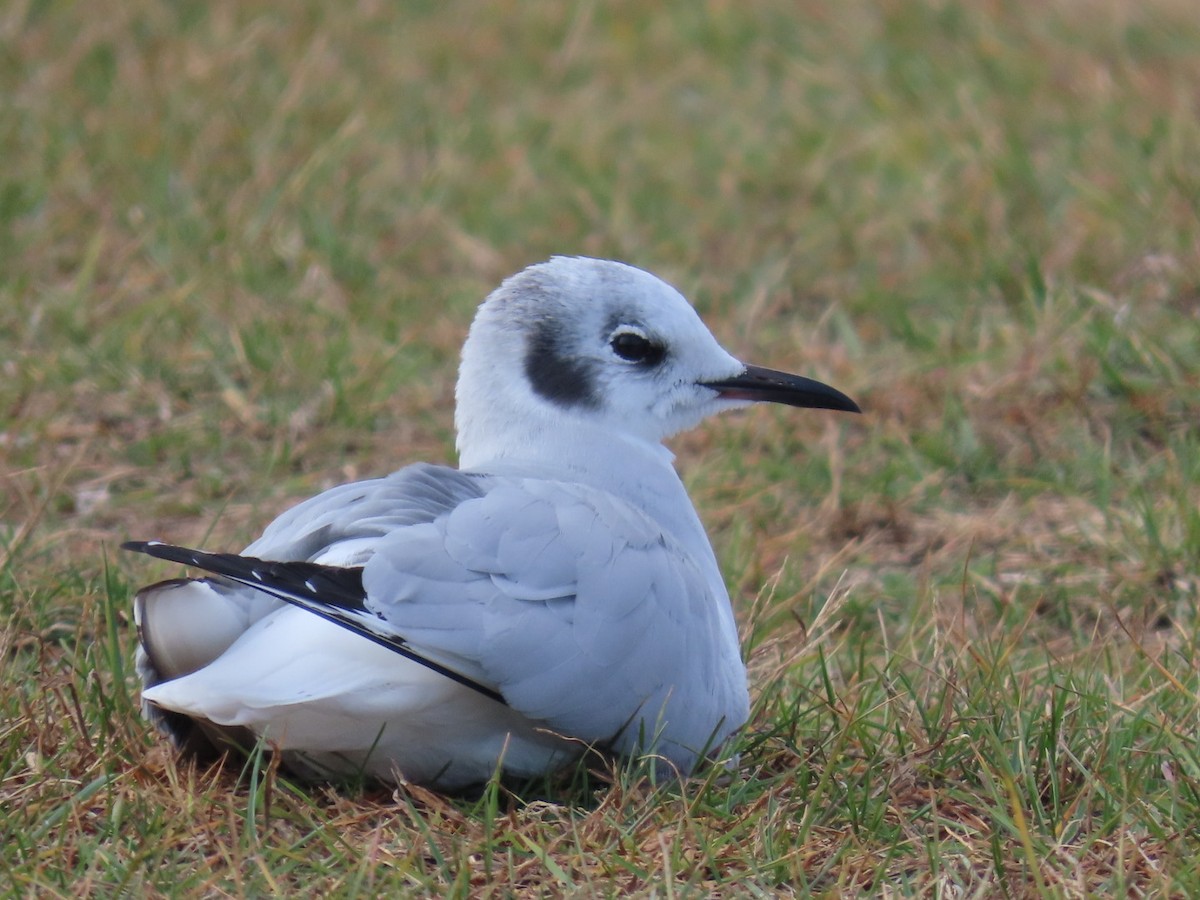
[560, 448]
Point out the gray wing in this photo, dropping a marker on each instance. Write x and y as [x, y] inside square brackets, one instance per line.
[576, 607]
[343, 525]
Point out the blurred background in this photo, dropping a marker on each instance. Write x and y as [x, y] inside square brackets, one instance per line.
[241, 243]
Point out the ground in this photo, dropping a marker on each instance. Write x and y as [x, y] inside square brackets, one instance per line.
[240, 245]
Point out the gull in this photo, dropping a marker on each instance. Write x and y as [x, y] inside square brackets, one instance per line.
[556, 592]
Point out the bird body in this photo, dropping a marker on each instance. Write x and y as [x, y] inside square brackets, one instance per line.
[556, 592]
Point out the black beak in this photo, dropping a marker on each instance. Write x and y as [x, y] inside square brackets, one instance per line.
[760, 384]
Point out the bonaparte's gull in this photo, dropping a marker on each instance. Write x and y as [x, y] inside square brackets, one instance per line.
[555, 592]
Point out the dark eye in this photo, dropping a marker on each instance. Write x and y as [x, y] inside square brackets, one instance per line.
[634, 347]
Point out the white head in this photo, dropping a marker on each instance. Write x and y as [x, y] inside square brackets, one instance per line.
[605, 349]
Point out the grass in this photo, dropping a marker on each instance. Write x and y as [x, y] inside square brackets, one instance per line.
[239, 248]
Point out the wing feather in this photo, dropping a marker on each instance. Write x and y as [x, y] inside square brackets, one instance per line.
[589, 618]
[360, 513]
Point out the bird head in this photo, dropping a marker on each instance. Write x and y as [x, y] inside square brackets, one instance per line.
[599, 345]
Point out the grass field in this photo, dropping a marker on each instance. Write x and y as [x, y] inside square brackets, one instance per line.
[240, 245]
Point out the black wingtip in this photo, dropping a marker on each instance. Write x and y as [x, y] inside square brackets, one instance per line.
[334, 593]
[168, 552]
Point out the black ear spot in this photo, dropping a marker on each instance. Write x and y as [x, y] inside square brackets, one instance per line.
[633, 346]
[557, 376]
